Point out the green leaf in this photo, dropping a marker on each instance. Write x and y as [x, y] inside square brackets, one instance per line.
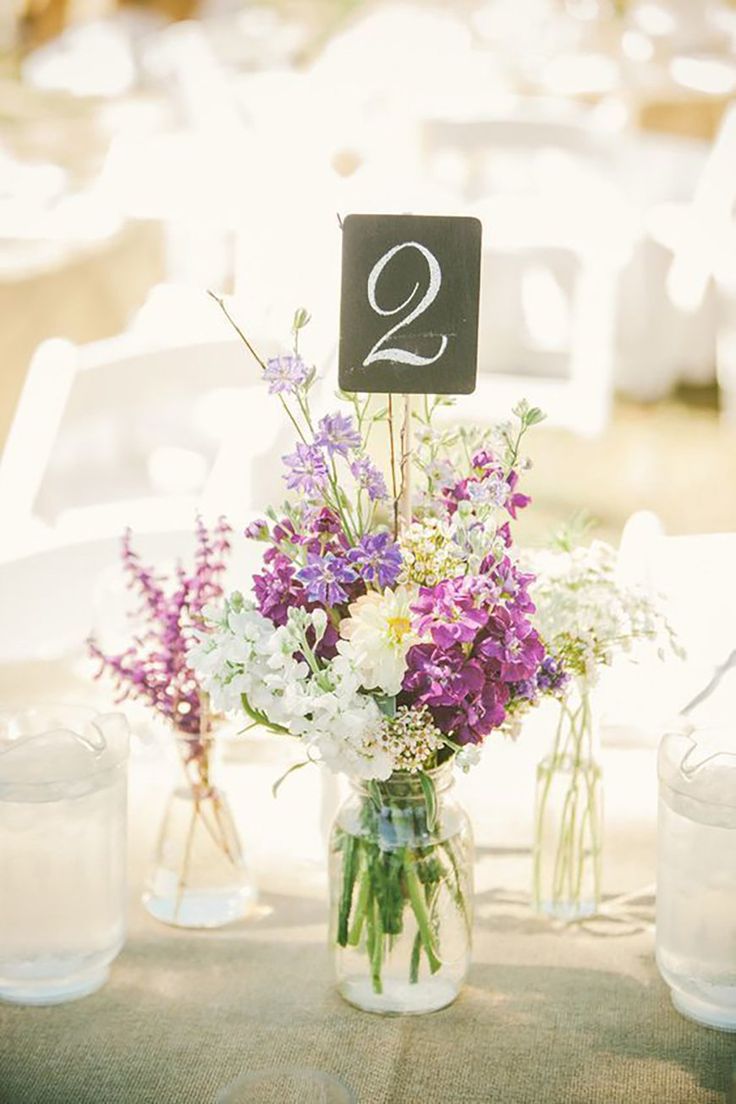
[301, 318]
[430, 798]
[386, 704]
[534, 416]
[259, 717]
[294, 767]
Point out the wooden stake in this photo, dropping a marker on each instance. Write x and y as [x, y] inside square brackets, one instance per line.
[405, 505]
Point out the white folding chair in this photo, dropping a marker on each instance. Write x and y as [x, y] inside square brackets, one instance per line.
[550, 263]
[114, 434]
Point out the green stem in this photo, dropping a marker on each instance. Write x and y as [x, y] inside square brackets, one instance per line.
[361, 906]
[416, 898]
[376, 946]
[348, 881]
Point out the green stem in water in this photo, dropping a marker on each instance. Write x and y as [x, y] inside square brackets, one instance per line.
[376, 946]
[361, 907]
[418, 904]
[350, 870]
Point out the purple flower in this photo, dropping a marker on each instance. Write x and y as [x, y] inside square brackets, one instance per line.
[510, 645]
[337, 433]
[512, 586]
[453, 611]
[369, 478]
[377, 558]
[285, 373]
[463, 701]
[324, 576]
[516, 501]
[308, 469]
[256, 530]
[155, 667]
[275, 588]
[324, 521]
[551, 676]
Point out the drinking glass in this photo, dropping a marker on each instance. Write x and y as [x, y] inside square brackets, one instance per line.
[63, 775]
[696, 874]
[286, 1085]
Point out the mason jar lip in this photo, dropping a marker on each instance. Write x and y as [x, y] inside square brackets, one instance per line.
[441, 776]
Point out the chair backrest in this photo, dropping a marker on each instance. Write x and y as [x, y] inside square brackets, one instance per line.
[550, 270]
[111, 434]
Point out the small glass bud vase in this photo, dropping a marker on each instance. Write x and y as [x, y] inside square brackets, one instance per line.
[568, 817]
[401, 879]
[198, 878]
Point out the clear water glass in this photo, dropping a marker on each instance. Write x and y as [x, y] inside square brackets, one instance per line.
[63, 788]
[286, 1085]
[696, 874]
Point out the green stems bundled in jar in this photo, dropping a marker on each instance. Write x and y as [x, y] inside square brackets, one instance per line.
[568, 821]
[402, 888]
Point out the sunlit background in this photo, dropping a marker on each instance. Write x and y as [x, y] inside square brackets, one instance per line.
[152, 151]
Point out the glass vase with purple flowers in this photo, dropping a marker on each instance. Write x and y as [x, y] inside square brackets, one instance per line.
[390, 630]
[198, 877]
[401, 859]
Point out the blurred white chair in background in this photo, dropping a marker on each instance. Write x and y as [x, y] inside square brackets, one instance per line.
[697, 242]
[691, 577]
[114, 434]
[551, 263]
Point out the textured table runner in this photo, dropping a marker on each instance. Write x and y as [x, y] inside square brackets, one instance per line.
[549, 1016]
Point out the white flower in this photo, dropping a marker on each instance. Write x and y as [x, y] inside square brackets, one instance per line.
[468, 756]
[376, 637]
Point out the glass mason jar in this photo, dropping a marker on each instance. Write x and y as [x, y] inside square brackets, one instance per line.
[696, 874]
[199, 878]
[401, 880]
[568, 815]
[63, 826]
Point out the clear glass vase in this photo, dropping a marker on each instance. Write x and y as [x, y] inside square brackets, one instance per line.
[199, 878]
[696, 874]
[568, 816]
[401, 878]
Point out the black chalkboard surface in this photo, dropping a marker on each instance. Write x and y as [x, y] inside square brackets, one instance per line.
[409, 305]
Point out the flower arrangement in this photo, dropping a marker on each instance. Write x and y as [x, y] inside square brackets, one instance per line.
[156, 669]
[389, 641]
[587, 616]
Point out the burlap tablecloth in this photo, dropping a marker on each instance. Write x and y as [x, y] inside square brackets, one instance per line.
[548, 1015]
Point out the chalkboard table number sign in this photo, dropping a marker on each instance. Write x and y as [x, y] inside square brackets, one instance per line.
[409, 311]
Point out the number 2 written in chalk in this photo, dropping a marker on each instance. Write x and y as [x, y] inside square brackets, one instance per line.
[409, 308]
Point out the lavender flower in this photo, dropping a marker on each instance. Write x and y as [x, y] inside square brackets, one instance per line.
[369, 478]
[308, 470]
[285, 373]
[337, 433]
[155, 667]
[377, 558]
[323, 579]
